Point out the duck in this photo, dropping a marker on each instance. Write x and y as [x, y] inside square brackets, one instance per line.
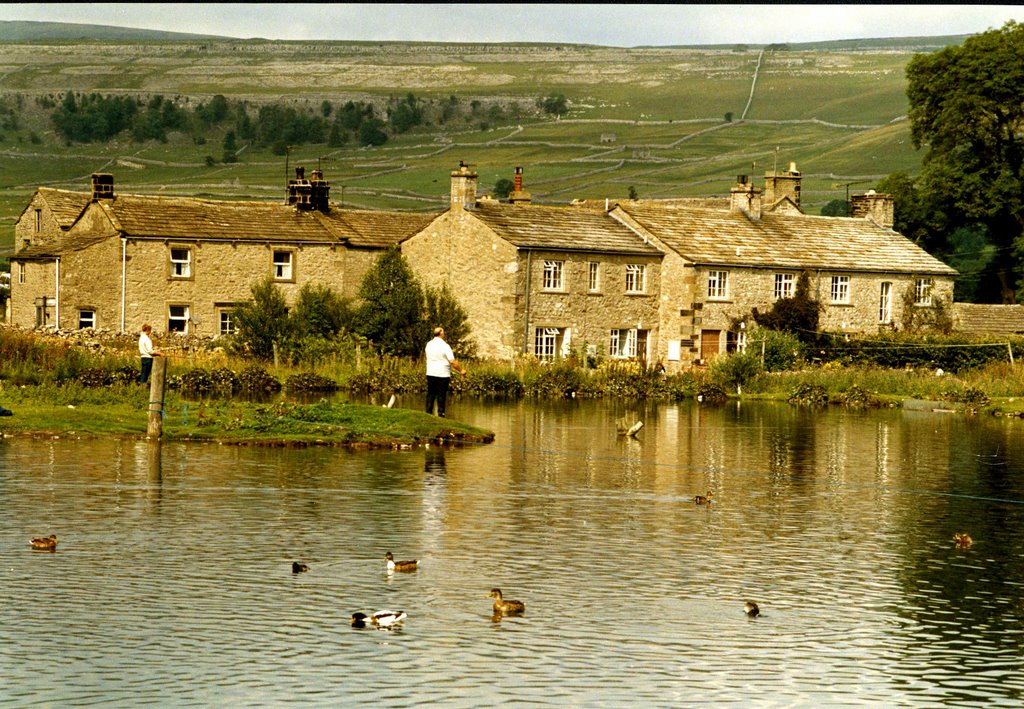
[379, 619]
[48, 543]
[751, 609]
[963, 540]
[703, 499]
[503, 606]
[298, 568]
[409, 565]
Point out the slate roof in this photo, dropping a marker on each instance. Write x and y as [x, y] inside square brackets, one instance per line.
[375, 229]
[561, 229]
[989, 319]
[718, 237]
[66, 205]
[188, 218]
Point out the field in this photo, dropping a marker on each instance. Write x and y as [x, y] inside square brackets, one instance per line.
[665, 121]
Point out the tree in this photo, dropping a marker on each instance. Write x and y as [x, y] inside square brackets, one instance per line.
[391, 315]
[263, 321]
[633, 194]
[503, 188]
[836, 208]
[320, 312]
[442, 308]
[556, 105]
[967, 106]
[798, 314]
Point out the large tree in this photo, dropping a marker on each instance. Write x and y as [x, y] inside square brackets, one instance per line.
[967, 107]
[391, 315]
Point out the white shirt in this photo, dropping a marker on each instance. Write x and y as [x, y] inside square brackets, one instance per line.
[145, 345]
[439, 358]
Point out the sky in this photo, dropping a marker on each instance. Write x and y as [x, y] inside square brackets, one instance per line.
[619, 25]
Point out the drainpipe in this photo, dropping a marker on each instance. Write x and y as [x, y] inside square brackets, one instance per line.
[124, 276]
[526, 305]
[56, 307]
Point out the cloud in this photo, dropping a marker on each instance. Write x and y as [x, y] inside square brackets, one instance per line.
[624, 25]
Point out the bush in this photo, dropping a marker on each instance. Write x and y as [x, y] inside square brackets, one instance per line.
[809, 395]
[256, 379]
[308, 381]
[736, 369]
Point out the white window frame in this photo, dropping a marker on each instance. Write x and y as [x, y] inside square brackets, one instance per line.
[283, 265]
[622, 343]
[181, 316]
[885, 303]
[86, 314]
[226, 322]
[718, 285]
[636, 278]
[840, 291]
[181, 267]
[594, 277]
[554, 275]
[21, 272]
[923, 292]
[545, 342]
[785, 285]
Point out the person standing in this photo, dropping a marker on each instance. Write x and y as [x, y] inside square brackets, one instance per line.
[146, 353]
[440, 363]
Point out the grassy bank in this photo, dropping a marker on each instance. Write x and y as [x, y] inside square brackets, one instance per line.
[74, 411]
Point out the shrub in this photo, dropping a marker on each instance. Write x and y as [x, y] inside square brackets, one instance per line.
[256, 379]
[309, 381]
[809, 395]
[736, 369]
[711, 393]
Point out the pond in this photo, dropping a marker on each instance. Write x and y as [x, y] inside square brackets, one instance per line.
[172, 582]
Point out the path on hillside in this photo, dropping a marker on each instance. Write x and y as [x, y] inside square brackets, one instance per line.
[753, 85]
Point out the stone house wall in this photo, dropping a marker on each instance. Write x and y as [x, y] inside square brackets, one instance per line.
[222, 275]
[588, 316]
[479, 267]
[755, 287]
[27, 231]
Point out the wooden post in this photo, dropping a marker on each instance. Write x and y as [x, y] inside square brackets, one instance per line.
[156, 398]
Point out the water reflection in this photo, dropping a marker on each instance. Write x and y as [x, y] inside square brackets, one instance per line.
[172, 583]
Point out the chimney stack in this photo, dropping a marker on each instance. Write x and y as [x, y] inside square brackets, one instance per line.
[879, 208]
[463, 195]
[780, 185]
[519, 195]
[745, 198]
[300, 191]
[320, 190]
[102, 185]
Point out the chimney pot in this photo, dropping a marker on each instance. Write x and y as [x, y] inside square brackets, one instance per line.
[102, 185]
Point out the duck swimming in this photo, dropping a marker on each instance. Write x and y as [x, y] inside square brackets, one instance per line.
[380, 619]
[393, 565]
[751, 609]
[47, 543]
[963, 540]
[298, 568]
[503, 606]
[703, 499]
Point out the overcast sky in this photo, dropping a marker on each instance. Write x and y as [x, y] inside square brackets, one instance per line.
[622, 25]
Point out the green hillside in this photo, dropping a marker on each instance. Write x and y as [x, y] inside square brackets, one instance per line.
[667, 121]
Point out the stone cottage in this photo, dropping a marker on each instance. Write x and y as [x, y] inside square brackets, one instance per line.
[113, 261]
[721, 264]
[540, 279]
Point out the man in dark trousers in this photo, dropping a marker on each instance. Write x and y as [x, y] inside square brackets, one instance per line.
[440, 363]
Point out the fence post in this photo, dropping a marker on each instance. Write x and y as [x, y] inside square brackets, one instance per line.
[1009, 348]
[155, 428]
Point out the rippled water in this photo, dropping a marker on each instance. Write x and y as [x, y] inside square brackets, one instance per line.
[172, 583]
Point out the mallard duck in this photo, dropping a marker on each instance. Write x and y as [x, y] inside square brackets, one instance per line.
[49, 543]
[503, 606]
[963, 540]
[298, 568]
[409, 565]
[751, 609]
[703, 499]
[380, 619]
